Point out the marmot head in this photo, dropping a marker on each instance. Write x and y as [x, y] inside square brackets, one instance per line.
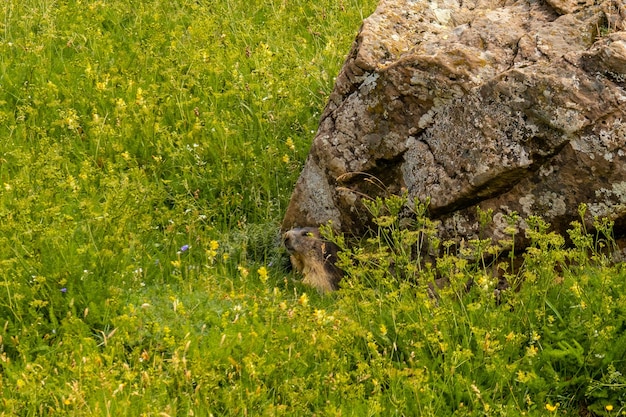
[313, 257]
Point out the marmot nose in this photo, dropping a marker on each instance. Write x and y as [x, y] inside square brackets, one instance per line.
[287, 241]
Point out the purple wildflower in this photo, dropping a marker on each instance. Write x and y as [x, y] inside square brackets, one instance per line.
[184, 248]
[64, 290]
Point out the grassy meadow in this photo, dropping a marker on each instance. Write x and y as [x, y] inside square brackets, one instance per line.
[148, 150]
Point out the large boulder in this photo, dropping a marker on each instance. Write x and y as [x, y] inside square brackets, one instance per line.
[514, 106]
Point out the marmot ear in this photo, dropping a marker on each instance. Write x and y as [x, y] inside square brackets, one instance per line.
[328, 250]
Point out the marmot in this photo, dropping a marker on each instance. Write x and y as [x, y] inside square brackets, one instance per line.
[314, 258]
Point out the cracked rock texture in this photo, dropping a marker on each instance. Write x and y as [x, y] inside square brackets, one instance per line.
[514, 106]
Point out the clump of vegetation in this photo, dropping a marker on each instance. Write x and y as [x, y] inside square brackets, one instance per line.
[147, 152]
[550, 344]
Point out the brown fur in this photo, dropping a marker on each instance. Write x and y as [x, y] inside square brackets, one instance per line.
[313, 257]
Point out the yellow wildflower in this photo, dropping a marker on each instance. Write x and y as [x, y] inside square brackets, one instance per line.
[139, 100]
[303, 300]
[531, 351]
[102, 85]
[243, 271]
[263, 274]
[552, 408]
[576, 289]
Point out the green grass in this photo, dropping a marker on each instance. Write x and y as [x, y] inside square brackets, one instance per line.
[148, 150]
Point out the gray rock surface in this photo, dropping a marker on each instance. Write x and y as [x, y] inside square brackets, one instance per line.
[514, 106]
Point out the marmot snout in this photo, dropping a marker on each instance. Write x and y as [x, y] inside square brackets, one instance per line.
[313, 257]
